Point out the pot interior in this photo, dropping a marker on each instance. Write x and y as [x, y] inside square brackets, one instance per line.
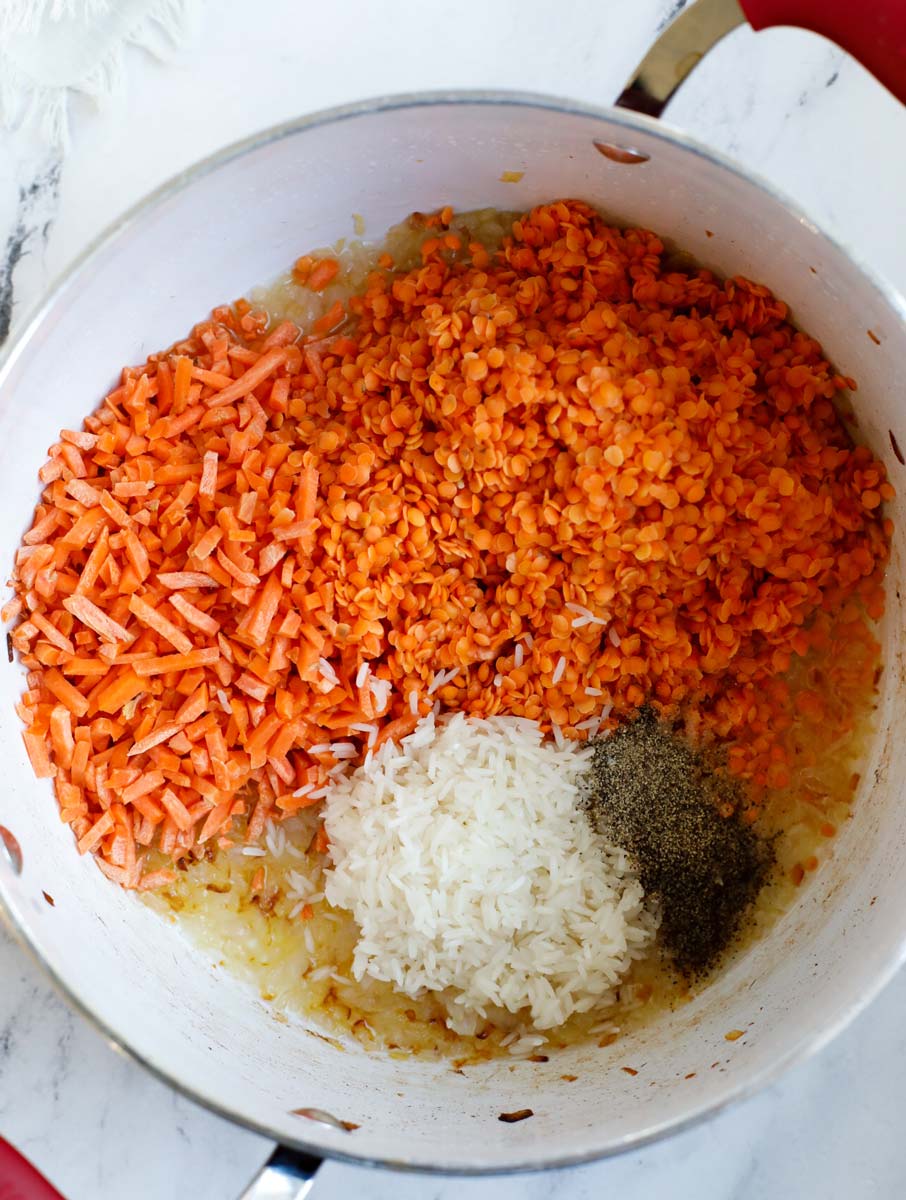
[238, 223]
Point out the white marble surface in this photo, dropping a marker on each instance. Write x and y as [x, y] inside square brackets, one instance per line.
[787, 103]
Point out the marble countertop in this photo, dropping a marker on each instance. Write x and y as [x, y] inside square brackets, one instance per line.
[787, 103]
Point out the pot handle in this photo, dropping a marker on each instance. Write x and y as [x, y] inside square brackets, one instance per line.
[287, 1175]
[19, 1180]
[874, 33]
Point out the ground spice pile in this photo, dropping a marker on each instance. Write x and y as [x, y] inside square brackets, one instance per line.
[651, 792]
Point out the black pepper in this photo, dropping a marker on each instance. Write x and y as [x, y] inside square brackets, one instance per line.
[651, 792]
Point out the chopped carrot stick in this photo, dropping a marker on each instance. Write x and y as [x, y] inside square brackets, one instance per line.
[89, 614]
[142, 786]
[176, 809]
[177, 662]
[77, 665]
[61, 735]
[155, 619]
[95, 561]
[176, 580]
[83, 492]
[250, 379]
[162, 734]
[207, 544]
[394, 730]
[57, 683]
[125, 686]
[51, 632]
[309, 494]
[137, 554]
[265, 610]
[96, 833]
[194, 707]
[208, 485]
[194, 616]
[38, 753]
[217, 819]
[322, 273]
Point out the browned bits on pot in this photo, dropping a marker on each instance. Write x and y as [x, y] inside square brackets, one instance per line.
[511, 1118]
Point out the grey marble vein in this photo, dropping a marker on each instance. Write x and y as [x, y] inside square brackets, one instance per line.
[33, 221]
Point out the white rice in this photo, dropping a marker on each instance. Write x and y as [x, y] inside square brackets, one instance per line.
[471, 871]
[326, 671]
[584, 616]
[441, 679]
[380, 691]
[559, 670]
[344, 749]
[581, 622]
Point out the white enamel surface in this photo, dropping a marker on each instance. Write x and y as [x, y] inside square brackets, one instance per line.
[145, 288]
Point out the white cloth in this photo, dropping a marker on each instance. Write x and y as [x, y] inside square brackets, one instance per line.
[50, 48]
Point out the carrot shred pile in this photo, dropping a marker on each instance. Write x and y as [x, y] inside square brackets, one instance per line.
[565, 475]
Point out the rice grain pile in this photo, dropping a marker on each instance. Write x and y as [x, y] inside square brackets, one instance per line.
[470, 871]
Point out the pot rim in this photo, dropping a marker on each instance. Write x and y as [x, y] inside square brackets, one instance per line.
[806, 1046]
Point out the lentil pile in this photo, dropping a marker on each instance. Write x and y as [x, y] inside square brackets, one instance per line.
[676, 816]
[558, 480]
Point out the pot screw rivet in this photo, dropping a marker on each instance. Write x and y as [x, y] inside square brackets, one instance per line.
[13, 851]
[324, 1118]
[621, 154]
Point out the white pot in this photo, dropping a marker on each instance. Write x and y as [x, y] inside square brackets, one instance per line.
[240, 219]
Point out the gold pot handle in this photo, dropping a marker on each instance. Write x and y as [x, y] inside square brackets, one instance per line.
[677, 52]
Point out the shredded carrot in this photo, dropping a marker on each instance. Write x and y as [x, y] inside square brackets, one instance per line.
[205, 657]
[208, 485]
[322, 273]
[185, 579]
[266, 365]
[639, 466]
[89, 613]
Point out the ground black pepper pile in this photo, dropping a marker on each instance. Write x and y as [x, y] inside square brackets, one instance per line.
[651, 792]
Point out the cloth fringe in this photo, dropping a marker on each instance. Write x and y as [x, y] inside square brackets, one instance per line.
[159, 28]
